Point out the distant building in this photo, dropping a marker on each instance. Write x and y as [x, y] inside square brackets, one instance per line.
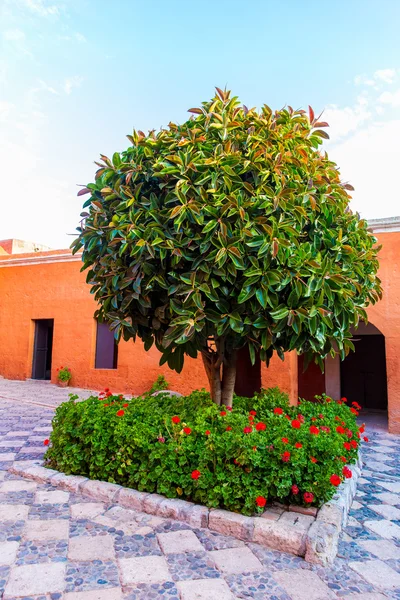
[46, 321]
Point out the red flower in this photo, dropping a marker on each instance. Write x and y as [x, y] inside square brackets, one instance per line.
[253, 414]
[286, 456]
[343, 459]
[278, 411]
[105, 389]
[196, 474]
[314, 430]
[326, 429]
[361, 429]
[313, 418]
[255, 448]
[298, 445]
[229, 408]
[313, 459]
[287, 417]
[207, 432]
[187, 430]
[296, 424]
[176, 420]
[300, 418]
[120, 397]
[295, 489]
[223, 413]
[354, 411]
[344, 399]
[161, 440]
[125, 405]
[247, 429]
[285, 440]
[261, 501]
[354, 443]
[347, 446]
[356, 405]
[337, 418]
[108, 394]
[320, 416]
[105, 405]
[347, 473]
[308, 497]
[335, 480]
[365, 439]
[349, 433]
[46, 442]
[229, 428]
[340, 429]
[261, 426]
[120, 413]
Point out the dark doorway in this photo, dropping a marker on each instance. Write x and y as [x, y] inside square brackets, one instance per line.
[363, 373]
[248, 376]
[311, 381]
[42, 349]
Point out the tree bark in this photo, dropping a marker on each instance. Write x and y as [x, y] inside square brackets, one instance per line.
[229, 378]
[213, 371]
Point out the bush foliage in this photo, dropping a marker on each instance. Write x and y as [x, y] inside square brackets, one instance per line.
[188, 447]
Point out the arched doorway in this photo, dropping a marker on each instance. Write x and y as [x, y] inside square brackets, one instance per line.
[363, 372]
[360, 377]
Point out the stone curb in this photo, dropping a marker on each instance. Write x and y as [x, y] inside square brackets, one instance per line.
[289, 529]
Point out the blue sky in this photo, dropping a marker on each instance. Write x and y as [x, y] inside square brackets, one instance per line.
[77, 75]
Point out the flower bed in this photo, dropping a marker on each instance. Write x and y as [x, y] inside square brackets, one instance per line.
[189, 448]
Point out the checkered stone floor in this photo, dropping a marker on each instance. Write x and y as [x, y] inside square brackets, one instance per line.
[57, 545]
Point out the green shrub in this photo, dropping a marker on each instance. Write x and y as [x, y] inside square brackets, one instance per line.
[160, 384]
[190, 448]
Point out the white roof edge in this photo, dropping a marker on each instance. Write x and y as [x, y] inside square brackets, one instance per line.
[385, 224]
[14, 260]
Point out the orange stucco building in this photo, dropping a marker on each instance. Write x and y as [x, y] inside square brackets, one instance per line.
[46, 321]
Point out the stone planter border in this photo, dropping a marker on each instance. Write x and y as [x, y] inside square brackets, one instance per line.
[307, 532]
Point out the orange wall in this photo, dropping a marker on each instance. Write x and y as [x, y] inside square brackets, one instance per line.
[58, 291]
[385, 315]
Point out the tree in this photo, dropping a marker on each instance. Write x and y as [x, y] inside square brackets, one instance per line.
[231, 229]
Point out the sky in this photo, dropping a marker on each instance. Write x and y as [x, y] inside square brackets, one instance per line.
[77, 75]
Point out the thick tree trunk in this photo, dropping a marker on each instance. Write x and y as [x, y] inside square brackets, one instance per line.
[229, 378]
[213, 371]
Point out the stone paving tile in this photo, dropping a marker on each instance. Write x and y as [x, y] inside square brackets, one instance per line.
[205, 589]
[84, 576]
[192, 565]
[377, 573]
[144, 569]
[303, 585]
[110, 546]
[155, 591]
[128, 546]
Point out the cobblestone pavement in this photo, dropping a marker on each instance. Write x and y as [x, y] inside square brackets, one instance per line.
[58, 545]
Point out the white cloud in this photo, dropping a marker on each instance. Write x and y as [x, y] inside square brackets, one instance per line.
[368, 159]
[5, 109]
[386, 75]
[78, 37]
[391, 98]
[344, 120]
[40, 7]
[13, 35]
[72, 82]
[363, 80]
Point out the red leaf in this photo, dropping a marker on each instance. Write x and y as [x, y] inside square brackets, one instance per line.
[220, 93]
[321, 133]
[347, 186]
[196, 111]
[311, 113]
[321, 124]
[84, 191]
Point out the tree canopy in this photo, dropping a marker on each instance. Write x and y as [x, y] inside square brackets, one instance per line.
[231, 229]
